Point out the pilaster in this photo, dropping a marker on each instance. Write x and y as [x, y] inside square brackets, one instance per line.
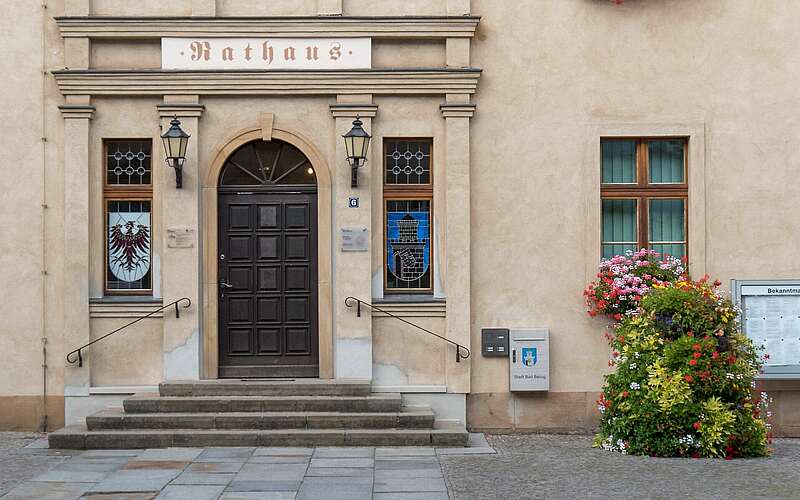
[77, 113]
[457, 113]
[352, 270]
[204, 8]
[458, 7]
[180, 212]
[329, 7]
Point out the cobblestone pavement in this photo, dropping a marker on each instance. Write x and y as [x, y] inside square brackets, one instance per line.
[18, 463]
[547, 466]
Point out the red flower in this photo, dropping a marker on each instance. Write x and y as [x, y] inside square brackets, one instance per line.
[696, 347]
[714, 355]
[688, 378]
[731, 359]
[692, 362]
[697, 355]
[689, 334]
[695, 455]
[728, 457]
[625, 394]
[618, 316]
[696, 426]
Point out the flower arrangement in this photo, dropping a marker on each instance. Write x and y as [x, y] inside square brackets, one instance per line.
[624, 279]
[684, 378]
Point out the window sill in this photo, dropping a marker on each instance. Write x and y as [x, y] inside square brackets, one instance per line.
[125, 307]
[416, 306]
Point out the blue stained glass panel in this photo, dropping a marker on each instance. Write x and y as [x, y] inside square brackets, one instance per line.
[408, 244]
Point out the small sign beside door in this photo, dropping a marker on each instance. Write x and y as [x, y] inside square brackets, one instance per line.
[180, 238]
[355, 239]
[352, 202]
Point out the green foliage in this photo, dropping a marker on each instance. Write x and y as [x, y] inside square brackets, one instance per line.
[684, 379]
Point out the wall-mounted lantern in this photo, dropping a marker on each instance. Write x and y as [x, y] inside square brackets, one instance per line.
[175, 142]
[356, 142]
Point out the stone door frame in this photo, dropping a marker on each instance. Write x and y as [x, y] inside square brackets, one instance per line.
[210, 181]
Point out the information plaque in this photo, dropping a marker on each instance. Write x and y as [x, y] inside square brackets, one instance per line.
[770, 316]
[355, 239]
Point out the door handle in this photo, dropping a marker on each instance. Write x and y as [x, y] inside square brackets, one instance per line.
[225, 285]
[513, 355]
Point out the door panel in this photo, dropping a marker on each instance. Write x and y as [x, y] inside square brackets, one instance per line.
[268, 302]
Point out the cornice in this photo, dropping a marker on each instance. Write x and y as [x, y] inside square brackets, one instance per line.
[292, 82]
[457, 110]
[353, 110]
[180, 109]
[425, 27]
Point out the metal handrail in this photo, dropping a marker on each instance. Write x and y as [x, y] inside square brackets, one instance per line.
[177, 315]
[348, 302]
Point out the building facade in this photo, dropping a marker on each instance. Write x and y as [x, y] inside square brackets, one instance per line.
[513, 145]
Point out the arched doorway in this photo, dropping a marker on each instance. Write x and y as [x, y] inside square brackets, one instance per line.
[267, 269]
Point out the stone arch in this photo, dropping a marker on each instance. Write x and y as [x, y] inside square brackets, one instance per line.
[209, 184]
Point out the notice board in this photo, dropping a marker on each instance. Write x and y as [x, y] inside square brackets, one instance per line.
[770, 316]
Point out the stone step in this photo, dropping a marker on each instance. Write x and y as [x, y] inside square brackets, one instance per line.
[117, 419]
[78, 437]
[150, 403]
[250, 387]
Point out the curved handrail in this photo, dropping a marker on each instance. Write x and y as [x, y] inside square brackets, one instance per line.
[459, 347]
[77, 351]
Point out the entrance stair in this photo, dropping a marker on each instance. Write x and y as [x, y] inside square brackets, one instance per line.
[300, 412]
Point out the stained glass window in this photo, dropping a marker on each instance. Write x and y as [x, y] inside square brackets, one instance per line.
[129, 239]
[408, 161]
[128, 162]
[408, 244]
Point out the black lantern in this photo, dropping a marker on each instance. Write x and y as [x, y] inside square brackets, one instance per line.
[175, 142]
[356, 142]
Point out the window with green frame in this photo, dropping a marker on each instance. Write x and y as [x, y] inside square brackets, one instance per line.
[644, 195]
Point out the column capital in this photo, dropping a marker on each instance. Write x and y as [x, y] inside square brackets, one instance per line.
[457, 110]
[181, 110]
[77, 111]
[348, 110]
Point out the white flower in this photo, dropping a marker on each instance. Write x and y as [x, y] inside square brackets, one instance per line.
[634, 385]
[633, 366]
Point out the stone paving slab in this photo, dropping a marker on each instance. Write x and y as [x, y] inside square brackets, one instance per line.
[136, 481]
[48, 491]
[344, 452]
[181, 492]
[342, 462]
[216, 467]
[283, 452]
[410, 496]
[262, 495]
[171, 454]
[203, 478]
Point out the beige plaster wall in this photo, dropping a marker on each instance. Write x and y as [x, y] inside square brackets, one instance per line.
[555, 71]
[261, 8]
[125, 54]
[134, 357]
[408, 54]
[393, 7]
[140, 8]
[405, 356]
[30, 308]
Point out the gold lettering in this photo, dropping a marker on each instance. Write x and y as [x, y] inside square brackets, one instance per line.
[336, 51]
[267, 52]
[200, 50]
[312, 53]
[227, 54]
[247, 51]
[289, 54]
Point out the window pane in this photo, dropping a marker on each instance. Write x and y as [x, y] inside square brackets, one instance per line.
[619, 161]
[619, 227]
[666, 161]
[667, 232]
[408, 162]
[128, 162]
[128, 248]
[408, 244]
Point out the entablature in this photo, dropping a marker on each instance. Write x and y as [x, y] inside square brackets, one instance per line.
[395, 27]
[438, 81]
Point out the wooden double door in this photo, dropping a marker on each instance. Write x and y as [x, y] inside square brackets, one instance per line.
[268, 312]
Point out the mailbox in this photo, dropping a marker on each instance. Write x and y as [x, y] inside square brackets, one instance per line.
[529, 369]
